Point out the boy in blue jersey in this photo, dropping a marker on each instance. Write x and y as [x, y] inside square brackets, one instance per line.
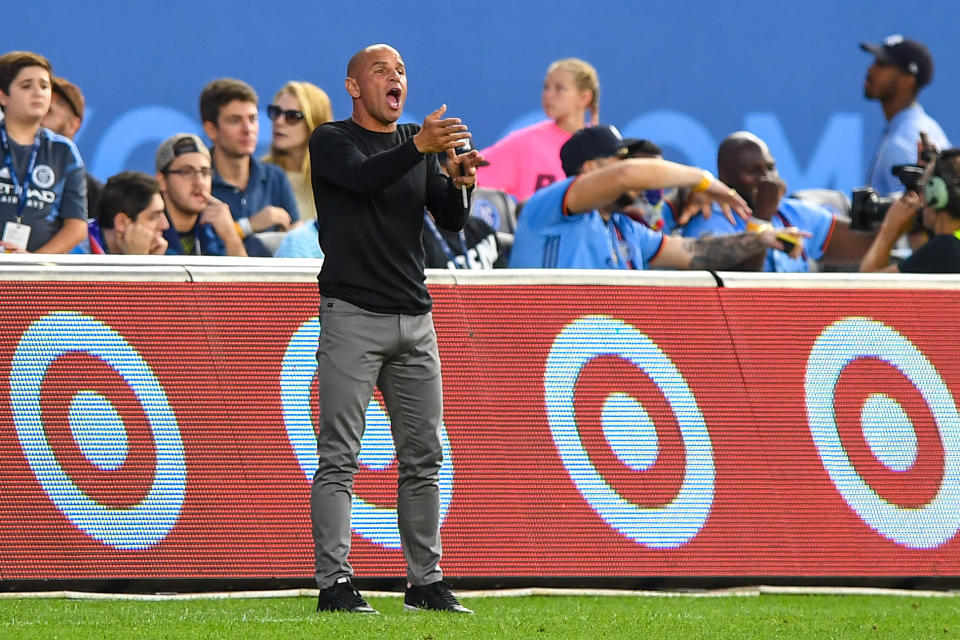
[43, 195]
[576, 224]
[745, 163]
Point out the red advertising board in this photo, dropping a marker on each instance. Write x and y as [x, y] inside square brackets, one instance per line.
[166, 431]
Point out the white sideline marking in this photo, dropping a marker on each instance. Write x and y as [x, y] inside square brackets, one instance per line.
[498, 593]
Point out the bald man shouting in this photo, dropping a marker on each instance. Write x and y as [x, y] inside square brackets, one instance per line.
[372, 179]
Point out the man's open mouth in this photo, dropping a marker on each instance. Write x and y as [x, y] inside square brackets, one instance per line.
[393, 98]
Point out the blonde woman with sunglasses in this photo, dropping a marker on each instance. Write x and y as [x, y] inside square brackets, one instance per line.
[297, 109]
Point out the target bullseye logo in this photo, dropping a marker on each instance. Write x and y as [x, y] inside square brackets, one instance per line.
[97, 430]
[900, 471]
[631, 434]
[375, 523]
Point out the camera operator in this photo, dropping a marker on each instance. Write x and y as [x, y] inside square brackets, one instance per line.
[940, 208]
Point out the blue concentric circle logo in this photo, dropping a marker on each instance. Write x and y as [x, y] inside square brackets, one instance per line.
[887, 430]
[98, 430]
[629, 431]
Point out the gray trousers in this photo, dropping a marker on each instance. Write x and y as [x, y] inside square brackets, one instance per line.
[399, 354]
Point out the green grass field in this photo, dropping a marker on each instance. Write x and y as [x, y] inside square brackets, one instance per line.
[609, 618]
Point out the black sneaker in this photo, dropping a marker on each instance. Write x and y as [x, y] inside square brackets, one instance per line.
[435, 596]
[343, 596]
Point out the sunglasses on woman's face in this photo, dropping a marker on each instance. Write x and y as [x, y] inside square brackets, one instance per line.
[292, 116]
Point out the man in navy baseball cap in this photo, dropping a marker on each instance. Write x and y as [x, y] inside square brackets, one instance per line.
[901, 67]
[908, 55]
[600, 141]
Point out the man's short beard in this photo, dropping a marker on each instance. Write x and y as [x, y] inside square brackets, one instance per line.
[185, 209]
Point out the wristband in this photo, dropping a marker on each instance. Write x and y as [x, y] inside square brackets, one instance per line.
[236, 225]
[758, 226]
[706, 179]
[244, 226]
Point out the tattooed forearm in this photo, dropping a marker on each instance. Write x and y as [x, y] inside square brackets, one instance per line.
[726, 251]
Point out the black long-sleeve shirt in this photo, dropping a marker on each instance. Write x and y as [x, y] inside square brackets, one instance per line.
[370, 190]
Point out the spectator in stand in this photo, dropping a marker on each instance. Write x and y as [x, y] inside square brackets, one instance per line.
[576, 224]
[941, 215]
[901, 67]
[258, 194]
[43, 196]
[296, 111]
[529, 159]
[744, 162]
[655, 207]
[66, 117]
[199, 224]
[651, 207]
[131, 219]
[476, 246]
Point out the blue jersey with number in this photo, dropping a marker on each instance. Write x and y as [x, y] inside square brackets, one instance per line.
[548, 237]
[57, 188]
[790, 213]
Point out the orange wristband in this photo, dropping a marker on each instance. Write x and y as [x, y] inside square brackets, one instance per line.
[706, 179]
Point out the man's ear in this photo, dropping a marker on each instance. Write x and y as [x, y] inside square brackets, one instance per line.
[121, 221]
[3, 99]
[588, 166]
[211, 130]
[909, 82]
[353, 87]
[73, 126]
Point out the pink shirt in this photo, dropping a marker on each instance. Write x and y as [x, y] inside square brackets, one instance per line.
[524, 161]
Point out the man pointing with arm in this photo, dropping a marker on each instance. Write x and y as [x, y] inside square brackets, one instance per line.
[576, 223]
[372, 179]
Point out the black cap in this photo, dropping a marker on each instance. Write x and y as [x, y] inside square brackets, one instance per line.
[907, 55]
[598, 141]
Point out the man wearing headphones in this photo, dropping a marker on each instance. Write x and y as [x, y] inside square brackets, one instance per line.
[941, 216]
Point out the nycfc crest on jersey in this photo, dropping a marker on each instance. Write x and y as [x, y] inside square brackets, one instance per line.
[43, 176]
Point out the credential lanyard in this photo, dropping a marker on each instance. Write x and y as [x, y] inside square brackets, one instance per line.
[616, 238]
[443, 243]
[8, 158]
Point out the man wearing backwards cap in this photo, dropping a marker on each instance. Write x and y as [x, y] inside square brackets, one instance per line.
[575, 223]
[900, 69]
[199, 223]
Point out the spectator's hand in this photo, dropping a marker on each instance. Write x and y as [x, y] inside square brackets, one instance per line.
[694, 203]
[159, 246]
[926, 150]
[138, 239]
[463, 168]
[217, 214]
[269, 217]
[728, 199]
[901, 214]
[770, 191]
[768, 237]
[7, 247]
[438, 134]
